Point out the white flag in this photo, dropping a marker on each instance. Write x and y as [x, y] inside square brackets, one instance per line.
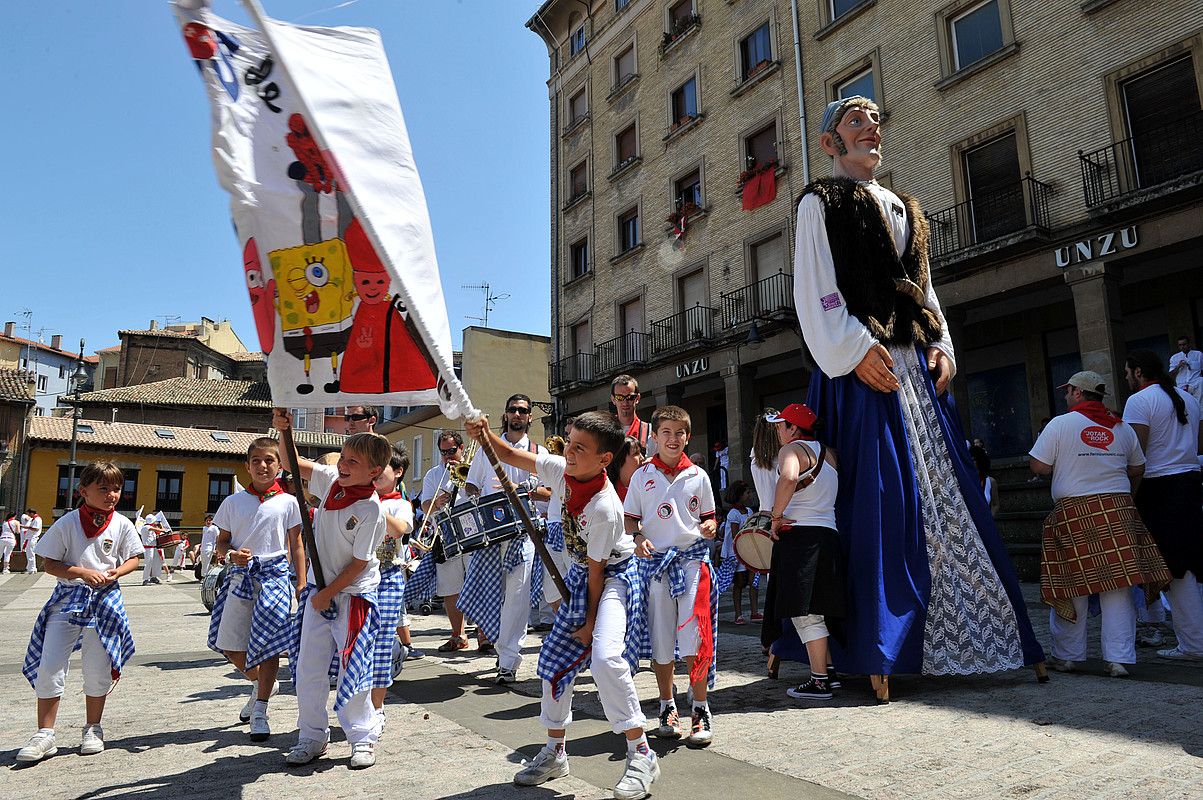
[310, 142]
[161, 520]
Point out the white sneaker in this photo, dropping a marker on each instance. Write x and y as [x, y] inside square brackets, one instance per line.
[636, 782]
[1178, 654]
[93, 741]
[1116, 670]
[381, 722]
[544, 767]
[1062, 664]
[41, 744]
[260, 729]
[245, 714]
[363, 755]
[304, 751]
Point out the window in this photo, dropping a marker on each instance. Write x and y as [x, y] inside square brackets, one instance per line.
[576, 42]
[164, 433]
[760, 148]
[578, 107]
[41, 383]
[62, 497]
[62, 371]
[581, 337]
[330, 412]
[992, 181]
[110, 377]
[976, 34]
[860, 84]
[688, 190]
[1155, 129]
[129, 492]
[220, 487]
[767, 256]
[628, 229]
[168, 492]
[624, 65]
[839, 8]
[626, 145]
[220, 436]
[633, 326]
[417, 462]
[578, 182]
[578, 257]
[680, 15]
[755, 52]
[619, 5]
[685, 103]
[84, 428]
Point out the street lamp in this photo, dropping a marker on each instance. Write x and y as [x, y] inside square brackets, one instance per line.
[78, 379]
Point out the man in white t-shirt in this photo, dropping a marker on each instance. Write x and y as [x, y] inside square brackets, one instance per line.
[31, 530]
[1186, 367]
[437, 491]
[1170, 498]
[208, 545]
[1094, 541]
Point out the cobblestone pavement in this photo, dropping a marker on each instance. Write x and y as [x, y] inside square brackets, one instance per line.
[172, 728]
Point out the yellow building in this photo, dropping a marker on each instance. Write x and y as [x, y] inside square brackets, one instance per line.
[496, 364]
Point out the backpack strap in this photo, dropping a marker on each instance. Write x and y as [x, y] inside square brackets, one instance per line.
[809, 478]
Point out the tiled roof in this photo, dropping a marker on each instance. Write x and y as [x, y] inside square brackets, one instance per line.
[21, 340]
[114, 349]
[115, 435]
[14, 386]
[246, 356]
[186, 392]
[160, 332]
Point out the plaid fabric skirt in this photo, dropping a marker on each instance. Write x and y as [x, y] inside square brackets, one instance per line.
[1093, 544]
[390, 602]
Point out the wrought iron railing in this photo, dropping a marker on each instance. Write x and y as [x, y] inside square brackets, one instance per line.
[573, 369]
[691, 326]
[986, 217]
[632, 347]
[1138, 162]
[765, 297]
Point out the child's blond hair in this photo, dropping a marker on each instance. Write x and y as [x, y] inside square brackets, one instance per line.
[670, 414]
[377, 450]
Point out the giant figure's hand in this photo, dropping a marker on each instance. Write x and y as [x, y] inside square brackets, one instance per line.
[874, 370]
[937, 362]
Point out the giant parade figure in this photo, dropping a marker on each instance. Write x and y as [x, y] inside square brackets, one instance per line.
[930, 586]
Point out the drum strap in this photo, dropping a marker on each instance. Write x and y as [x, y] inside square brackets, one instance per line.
[809, 478]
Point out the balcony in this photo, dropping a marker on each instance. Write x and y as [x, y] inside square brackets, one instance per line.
[621, 351]
[577, 368]
[767, 297]
[693, 326]
[1138, 163]
[994, 217]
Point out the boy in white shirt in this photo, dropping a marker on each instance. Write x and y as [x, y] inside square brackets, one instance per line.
[670, 510]
[343, 618]
[88, 551]
[600, 624]
[259, 532]
[390, 652]
[9, 532]
[31, 530]
[207, 547]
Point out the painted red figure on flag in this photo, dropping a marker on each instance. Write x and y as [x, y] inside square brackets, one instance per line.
[382, 354]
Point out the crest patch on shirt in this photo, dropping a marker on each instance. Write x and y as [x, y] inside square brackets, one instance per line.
[651, 484]
[832, 301]
[664, 511]
[694, 503]
[898, 210]
[106, 546]
[352, 521]
[97, 520]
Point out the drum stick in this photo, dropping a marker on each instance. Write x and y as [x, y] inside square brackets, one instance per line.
[508, 487]
[290, 445]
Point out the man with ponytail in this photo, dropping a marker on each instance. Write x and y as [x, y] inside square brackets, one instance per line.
[1166, 420]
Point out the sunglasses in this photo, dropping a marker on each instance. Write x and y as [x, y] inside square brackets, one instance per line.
[626, 398]
[517, 410]
[449, 451]
[356, 417]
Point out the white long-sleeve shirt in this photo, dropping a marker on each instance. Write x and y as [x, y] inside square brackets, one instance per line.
[836, 339]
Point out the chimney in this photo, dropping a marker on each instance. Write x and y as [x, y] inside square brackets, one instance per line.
[154, 325]
[56, 341]
[8, 328]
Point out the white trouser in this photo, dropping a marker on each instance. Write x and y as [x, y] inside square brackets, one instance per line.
[321, 638]
[6, 550]
[1118, 629]
[611, 672]
[810, 627]
[1187, 610]
[1147, 613]
[515, 611]
[152, 564]
[181, 550]
[31, 561]
[551, 594]
[206, 561]
[449, 577]
[61, 637]
[670, 619]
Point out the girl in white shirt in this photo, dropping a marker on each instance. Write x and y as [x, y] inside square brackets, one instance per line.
[738, 496]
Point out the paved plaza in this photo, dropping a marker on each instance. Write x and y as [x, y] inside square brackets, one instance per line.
[172, 727]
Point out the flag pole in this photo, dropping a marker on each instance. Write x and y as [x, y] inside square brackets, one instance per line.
[307, 538]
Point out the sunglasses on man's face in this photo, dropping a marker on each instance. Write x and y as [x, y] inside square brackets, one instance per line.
[626, 398]
[356, 417]
[448, 451]
[517, 410]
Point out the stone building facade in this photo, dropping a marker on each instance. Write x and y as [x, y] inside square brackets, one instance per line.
[1053, 146]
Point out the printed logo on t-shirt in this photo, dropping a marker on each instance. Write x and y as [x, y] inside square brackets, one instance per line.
[664, 511]
[831, 301]
[651, 484]
[97, 520]
[352, 521]
[1097, 437]
[693, 503]
[106, 546]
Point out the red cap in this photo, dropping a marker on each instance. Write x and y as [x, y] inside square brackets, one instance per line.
[359, 249]
[795, 414]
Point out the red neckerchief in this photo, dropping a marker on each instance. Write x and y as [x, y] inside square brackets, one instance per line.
[581, 492]
[393, 495]
[683, 464]
[271, 492]
[343, 496]
[636, 427]
[94, 520]
[1096, 412]
[621, 488]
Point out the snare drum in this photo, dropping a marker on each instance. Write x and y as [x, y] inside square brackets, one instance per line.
[753, 545]
[211, 585]
[166, 539]
[475, 524]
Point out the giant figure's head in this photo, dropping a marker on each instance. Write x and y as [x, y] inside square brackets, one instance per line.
[850, 134]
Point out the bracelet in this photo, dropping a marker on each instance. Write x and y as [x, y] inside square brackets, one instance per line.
[776, 516]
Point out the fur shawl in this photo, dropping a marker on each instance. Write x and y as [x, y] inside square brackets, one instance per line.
[887, 293]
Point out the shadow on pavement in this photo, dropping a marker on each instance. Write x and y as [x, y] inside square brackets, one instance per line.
[196, 663]
[507, 790]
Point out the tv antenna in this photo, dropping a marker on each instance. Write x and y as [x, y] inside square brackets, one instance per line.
[490, 299]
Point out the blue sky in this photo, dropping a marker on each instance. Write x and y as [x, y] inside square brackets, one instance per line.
[111, 213]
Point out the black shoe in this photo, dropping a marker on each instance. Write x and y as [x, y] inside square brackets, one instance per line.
[506, 677]
[833, 679]
[156, 581]
[813, 689]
